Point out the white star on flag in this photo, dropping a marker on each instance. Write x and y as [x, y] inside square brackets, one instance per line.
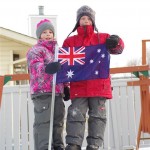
[98, 50]
[91, 61]
[96, 72]
[103, 55]
[70, 74]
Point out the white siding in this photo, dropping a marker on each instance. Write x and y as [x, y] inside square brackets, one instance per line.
[5, 61]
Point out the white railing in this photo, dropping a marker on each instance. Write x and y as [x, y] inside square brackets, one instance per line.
[123, 113]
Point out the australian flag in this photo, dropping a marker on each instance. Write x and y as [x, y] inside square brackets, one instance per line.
[83, 63]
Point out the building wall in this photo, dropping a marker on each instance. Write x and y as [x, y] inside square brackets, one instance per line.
[9, 48]
[5, 62]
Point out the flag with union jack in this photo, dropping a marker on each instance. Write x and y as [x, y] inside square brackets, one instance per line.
[83, 63]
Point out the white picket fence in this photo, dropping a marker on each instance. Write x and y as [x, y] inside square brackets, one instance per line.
[123, 113]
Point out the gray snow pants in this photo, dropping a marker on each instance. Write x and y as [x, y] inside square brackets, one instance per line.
[76, 119]
[42, 105]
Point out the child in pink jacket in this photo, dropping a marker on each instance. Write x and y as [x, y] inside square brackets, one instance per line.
[41, 89]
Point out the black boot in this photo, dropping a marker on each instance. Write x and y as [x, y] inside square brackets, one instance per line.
[73, 147]
[58, 148]
[92, 147]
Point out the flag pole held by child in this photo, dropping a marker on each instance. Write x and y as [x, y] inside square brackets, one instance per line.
[53, 101]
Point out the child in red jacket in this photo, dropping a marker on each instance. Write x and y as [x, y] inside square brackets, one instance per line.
[89, 95]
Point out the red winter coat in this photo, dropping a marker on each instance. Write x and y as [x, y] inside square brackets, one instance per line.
[89, 88]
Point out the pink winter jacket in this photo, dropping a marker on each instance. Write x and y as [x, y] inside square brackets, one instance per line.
[37, 58]
[97, 87]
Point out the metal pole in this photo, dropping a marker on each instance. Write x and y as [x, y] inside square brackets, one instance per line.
[52, 102]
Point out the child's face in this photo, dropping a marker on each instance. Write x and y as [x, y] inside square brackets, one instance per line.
[85, 20]
[47, 35]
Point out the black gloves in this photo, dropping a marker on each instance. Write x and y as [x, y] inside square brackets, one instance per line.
[112, 41]
[66, 94]
[52, 67]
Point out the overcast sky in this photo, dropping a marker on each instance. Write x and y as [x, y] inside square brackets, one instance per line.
[127, 18]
